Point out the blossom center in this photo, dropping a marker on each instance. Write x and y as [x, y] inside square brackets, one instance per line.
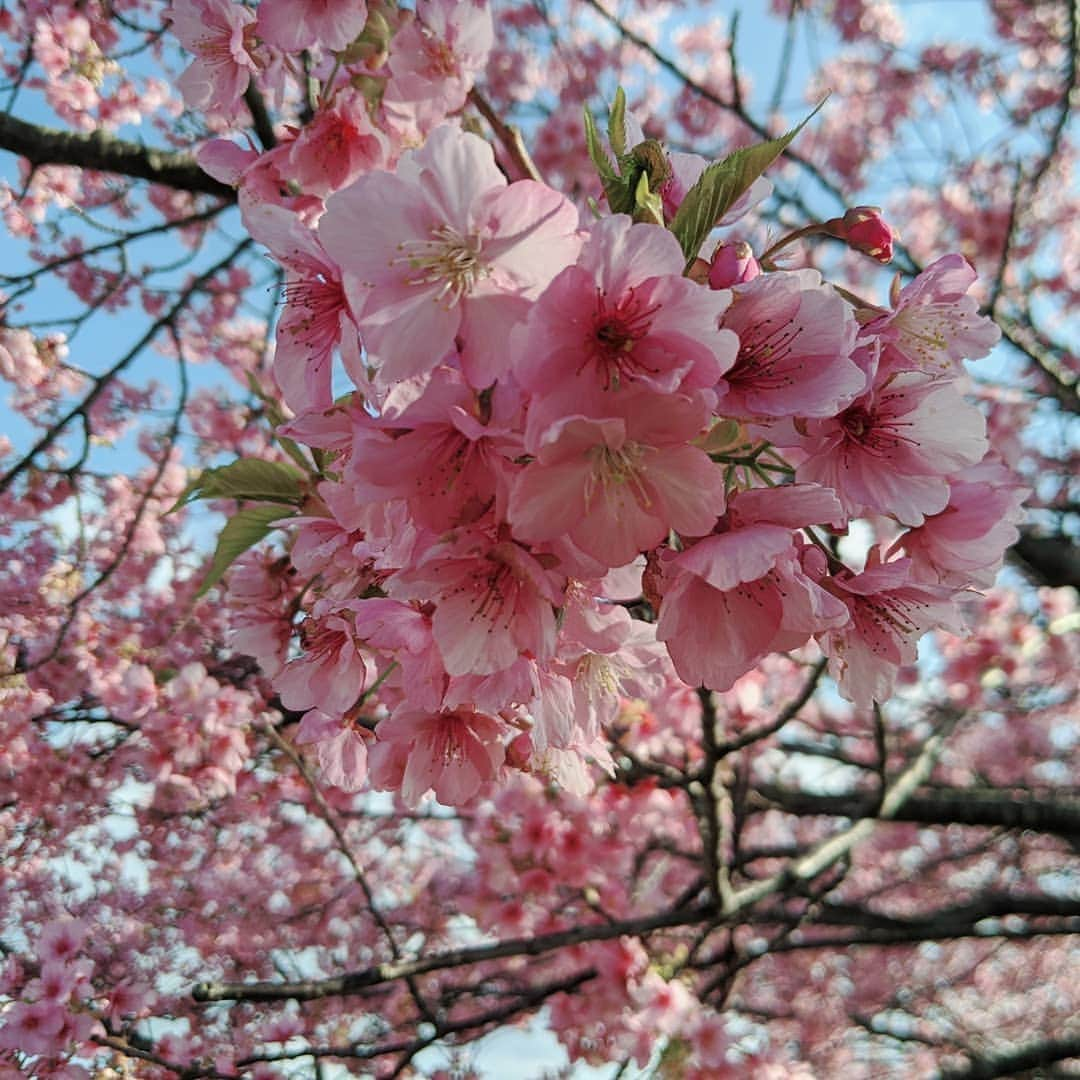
[616, 331]
[448, 259]
[613, 468]
[924, 331]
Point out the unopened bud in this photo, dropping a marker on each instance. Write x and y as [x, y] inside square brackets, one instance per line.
[864, 229]
[732, 264]
[520, 751]
[653, 159]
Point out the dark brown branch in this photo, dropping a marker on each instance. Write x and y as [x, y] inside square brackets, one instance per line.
[260, 117]
[1072, 79]
[1018, 1059]
[1051, 560]
[788, 713]
[528, 999]
[982, 807]
[357, 981]
[106, 153]
[987, 906]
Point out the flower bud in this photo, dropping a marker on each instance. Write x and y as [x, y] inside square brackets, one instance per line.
[732, 264]
[864, 229]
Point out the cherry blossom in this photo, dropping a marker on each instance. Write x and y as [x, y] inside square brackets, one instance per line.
[624, 314]
[444, 249]
[293, 25]
[892, 448]
[220, 34]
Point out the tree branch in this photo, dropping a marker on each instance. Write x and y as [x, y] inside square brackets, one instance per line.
[957, 806]
[356, 981]
[106, 153]
[1018, 1059]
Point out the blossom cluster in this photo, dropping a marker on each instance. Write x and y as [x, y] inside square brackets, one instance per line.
[573, 466]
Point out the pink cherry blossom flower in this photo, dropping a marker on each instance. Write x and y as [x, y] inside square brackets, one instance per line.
[400, 631]
[33, 1028]
[607, 656]
[965, 543]
[733, 597]
[443, 251]
[445, 454]
[795, 342]
[333, 671]
[293, 25]
[934, 323]
[618, 483]
[893, 449]
[624, 313]
[337, 146]
[340, 746]
[494, 600]
[220, 34]
[451, 753]
[890, 611]
[61, 940]
[437, 54]
[316, 317]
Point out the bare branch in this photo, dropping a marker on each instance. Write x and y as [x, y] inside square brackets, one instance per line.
[105, 153]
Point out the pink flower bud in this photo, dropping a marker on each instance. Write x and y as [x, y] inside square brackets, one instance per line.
[732, 264]
[864, 229]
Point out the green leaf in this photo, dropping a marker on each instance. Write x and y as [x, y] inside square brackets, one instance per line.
[616, 128]
[244, 529]
[596, 149]
[247, 478]
[720, 185]
[648, 206]
[618, 189]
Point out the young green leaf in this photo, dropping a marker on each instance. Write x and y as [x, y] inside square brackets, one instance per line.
[648, 206]
[619, 190]
[617, 124]
[244, 529]
[720, 185]
[247, 478]
[596, 149]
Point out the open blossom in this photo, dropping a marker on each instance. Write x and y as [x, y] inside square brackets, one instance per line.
[964, 544]
[61, 940]
[734, 596]
[444, 252]
[890, 611]
[796, 337]
[893, 449]
[623, 314]
[447, 456]
[935, 323]
[494, 601]
[33, 1028]
[436, 55]
[451, 753]
[293, 25]
[607, 656]
[340, 747]
[337, 146]
[220, 35]
[333, 671]
[315, 319]
[618, 476]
